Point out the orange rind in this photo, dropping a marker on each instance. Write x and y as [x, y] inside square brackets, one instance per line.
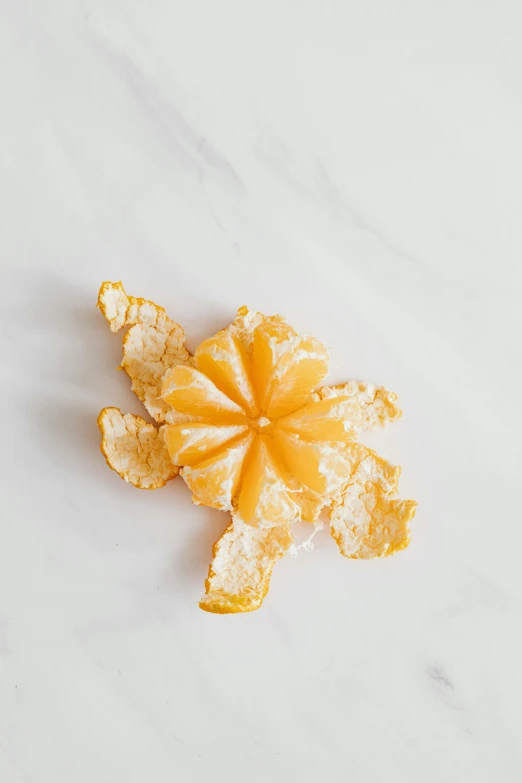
[135, 449]
[367, 521]
[366, 406]
[243, 559]
[152, 345]
[251, 431]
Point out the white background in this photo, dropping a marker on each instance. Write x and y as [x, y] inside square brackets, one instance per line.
[356, 166]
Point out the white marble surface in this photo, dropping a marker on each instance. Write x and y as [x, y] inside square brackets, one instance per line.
[357, 166]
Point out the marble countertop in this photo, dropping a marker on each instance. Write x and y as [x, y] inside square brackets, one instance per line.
[357, 167]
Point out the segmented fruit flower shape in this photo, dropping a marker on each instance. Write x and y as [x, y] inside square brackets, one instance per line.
[251, 432]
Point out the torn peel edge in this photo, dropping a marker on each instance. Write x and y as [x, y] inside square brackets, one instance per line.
[379, 409]
[117, 321]
[124, 316]
[407, 510]
[252, 574]
[142, 455]
[152, 344]
[368, 519]
[239, 604]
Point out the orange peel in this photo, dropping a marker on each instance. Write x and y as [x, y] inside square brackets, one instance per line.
[251, 431]
[152, 345]
[366, 406]
[366, 520]
[243, 559]
[135, 449]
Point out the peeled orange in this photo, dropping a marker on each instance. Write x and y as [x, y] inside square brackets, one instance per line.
[245, 424]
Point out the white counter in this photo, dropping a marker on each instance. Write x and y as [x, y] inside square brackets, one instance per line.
[356, 166]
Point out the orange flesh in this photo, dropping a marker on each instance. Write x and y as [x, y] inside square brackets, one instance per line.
[223, 359]
[322, 420]
[317, 465]
[264, 500]
[219, 401]
[189, 391]
[287, 367]
[191, 443]
[215, 481]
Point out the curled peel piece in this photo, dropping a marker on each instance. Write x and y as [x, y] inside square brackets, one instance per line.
[366, 406]
[135, 449]
[239, 576]
[366, 520]
[114, 305]
[152, 344]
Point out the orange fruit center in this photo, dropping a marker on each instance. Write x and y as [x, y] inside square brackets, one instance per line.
[248, 432]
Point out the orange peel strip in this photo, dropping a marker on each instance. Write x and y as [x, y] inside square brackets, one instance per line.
[243, 559]
[366, 406]
[367, 521]
[153, 343]
[135, 449]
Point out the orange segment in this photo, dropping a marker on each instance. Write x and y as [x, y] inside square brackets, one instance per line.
[264, 500]
[224, 360]
[287, 367]
[245, 324]
[215, 481]
[192, 442]
[322, 467]
[189, 391]
[324, 420]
